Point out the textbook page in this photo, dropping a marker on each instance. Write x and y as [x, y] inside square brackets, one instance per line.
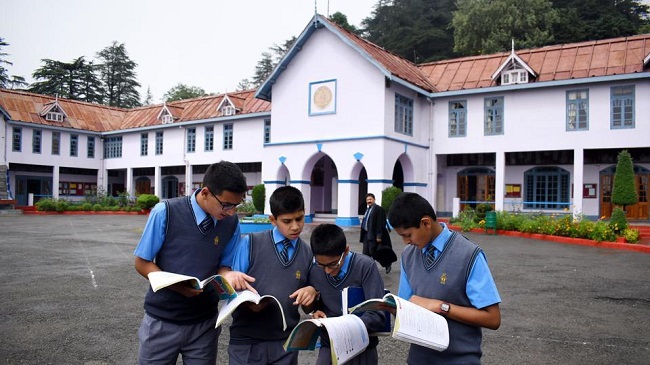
[248, 296]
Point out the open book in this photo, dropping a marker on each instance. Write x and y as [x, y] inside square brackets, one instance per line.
[248, 296]
[163, 279]
[413, 323]
[354, 295]
[347, 334]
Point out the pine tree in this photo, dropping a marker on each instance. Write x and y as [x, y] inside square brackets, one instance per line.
[624, 190]
[118, 75]
[71, 80]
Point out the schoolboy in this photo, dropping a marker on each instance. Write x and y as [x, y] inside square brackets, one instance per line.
[446, 273]
[191, 235]
[336, 268]
[279, 260]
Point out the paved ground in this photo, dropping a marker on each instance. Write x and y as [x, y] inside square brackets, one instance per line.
[71, 296]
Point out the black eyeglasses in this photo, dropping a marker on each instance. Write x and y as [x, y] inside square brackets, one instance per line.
[331, 265]
[225, 206]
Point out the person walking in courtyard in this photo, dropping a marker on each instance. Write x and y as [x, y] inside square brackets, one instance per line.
[375, 236]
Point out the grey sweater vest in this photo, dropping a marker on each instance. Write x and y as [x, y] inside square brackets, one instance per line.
[446, 281]
[187, 251]
[362, 272]
[274, 278]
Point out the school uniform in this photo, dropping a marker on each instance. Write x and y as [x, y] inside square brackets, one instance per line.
[356, 271]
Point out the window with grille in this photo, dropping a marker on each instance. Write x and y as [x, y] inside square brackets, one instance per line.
[36, 141]
[159, 143]
[403, 115]
[547, 188]
[144, 144]
[113, 147]
[493, 116]
[622, 110]
[227, 136]
[191, 139]
[577, 110]
[209, 138]
[458, 118]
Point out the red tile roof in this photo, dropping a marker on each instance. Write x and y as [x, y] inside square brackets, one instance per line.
[396, 65]
[561, 62]
[26, 107]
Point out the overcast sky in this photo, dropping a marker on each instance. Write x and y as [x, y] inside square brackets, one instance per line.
[212, 44]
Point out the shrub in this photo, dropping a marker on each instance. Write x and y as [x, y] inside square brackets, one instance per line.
[86, 206]
[466, 219]
[388, 195]
[61, 206]
[259, 194]
[147, 201]
[481, 209]
[631, 235]
[618, 222]
[46, 205]
[97, 207]
[248, 208]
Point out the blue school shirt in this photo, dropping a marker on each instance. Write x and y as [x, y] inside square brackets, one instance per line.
[153, 234]
[241, 256]
[480, 289]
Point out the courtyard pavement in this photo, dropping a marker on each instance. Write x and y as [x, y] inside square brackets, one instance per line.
[71, 296]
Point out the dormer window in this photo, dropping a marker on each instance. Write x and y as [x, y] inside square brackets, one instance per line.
[228, 110]
[226, 107]
[54, 116]
[514, 70]
[52, 112]
[514, 77]
[166, 119]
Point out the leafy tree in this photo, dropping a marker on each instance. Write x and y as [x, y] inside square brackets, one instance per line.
[74, 80]
[7, 81]
[118, 75]
[624, 190]
[388, 195]
[342, 20]
[182, 92]
[484, 26]
[417, 30]
[259, 195]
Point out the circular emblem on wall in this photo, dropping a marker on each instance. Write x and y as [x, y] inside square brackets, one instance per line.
[322, 97]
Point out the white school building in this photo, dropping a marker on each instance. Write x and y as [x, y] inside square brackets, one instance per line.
[534, 130]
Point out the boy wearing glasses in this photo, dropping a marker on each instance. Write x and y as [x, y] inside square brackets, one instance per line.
[191, 235]
[279, 260]
[336, 268]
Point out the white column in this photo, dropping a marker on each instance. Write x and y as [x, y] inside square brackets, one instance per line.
[578, 180]
[56, 175]
[157, 182]
[348, 213]
[129, 182]
[188, 178]
[499, 180]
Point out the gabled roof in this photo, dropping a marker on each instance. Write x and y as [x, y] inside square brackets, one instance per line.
[513, 59]
[392, 66]
[196, 109]
[51, 106]
[605, 57]
[27, 107]
[174, 111]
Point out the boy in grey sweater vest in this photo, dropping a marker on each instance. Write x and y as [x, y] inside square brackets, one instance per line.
[336, 268]
[446, 273]
[279, 261]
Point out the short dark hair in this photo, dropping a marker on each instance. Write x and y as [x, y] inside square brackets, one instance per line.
[328, 240]
[370, 194]
[225, 175]
[286, 200]
[408, 209]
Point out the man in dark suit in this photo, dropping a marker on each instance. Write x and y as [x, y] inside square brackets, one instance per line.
[374, 233]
